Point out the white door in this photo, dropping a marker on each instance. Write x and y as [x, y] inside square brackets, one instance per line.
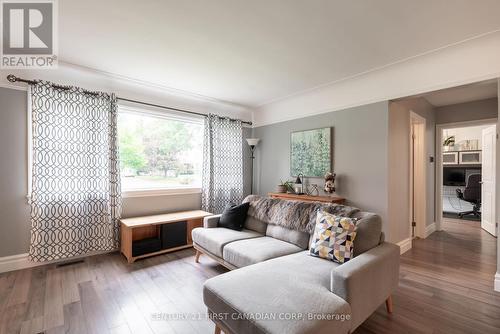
[488, 214]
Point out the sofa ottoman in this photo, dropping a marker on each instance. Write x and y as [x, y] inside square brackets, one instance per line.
[278, 296]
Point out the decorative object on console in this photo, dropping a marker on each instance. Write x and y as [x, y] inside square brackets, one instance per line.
[299, 184]
[330, 182]
[285, 187]
[252, 142]
[311, 152]
[313, 190]
[333, 237]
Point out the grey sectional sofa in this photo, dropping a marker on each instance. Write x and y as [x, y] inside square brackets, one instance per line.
[279, 288]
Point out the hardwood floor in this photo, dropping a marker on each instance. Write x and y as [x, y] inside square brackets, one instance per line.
[446, 287]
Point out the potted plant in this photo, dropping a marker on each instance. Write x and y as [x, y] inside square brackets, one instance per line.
[285, 186]
[449, 143]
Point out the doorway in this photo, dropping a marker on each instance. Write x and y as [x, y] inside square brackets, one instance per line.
[466, 173]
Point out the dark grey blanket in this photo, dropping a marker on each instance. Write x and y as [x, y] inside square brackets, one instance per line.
[295, 215]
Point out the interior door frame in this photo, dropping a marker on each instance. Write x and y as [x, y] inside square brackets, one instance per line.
[418, 178]
[439, 161]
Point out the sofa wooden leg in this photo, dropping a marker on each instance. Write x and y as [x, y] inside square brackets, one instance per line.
[217, 330]
[388, 304]
[197, 256]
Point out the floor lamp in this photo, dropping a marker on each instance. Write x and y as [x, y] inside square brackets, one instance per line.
[252, 142]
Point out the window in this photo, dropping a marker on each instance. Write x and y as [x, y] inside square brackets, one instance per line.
[159, 151]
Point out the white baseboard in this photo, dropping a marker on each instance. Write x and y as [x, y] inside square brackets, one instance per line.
[21, 261]
[497, 282]
[429, 229]
[404, 245]
[15, 262]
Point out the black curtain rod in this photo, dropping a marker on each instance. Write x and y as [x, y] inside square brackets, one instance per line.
[13, 78]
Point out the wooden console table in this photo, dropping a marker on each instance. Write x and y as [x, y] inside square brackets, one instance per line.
[308, 198]
[140, 228]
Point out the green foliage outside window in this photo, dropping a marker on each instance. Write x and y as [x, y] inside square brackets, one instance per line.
[159, 152]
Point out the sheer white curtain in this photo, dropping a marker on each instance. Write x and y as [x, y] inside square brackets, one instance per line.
[75, 183]
[222, 163]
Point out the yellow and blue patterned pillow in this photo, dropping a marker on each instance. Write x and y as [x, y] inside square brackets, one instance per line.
[333, 237]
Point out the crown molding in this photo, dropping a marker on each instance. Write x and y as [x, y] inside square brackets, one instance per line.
[13, 86]
[469, 61]
[151, 85]
[127, 87]
[378, 68]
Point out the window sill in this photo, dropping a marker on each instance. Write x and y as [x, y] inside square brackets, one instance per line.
[160, 192]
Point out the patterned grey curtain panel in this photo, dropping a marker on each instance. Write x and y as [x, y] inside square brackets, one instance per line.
[222, 164]
[75, 195]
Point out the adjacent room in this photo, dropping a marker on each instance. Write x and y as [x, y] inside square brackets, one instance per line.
[462, 169]
[247, 167]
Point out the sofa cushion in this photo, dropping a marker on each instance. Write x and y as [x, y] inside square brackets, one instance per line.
[214, 239]
[298, 238]
[234, 216]
[279, 288]
[368, 232]
[250, 251]
[256, 225]
[333, 237]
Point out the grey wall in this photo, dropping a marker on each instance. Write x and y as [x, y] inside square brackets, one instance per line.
[14, 209]
[398, 171]
[359, 158]
[470, 111]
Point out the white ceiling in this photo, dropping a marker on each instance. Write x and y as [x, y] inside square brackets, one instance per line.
[462, 94]
[254, 52]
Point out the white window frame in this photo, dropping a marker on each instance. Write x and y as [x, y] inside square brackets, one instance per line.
[160, 113]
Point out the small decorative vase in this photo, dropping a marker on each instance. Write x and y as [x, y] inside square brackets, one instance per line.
[282, 189]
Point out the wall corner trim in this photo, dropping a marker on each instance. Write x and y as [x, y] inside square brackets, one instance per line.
[497, 282]
[429, 229]
[404, 245]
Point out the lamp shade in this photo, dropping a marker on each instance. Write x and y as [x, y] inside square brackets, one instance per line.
[298, 180]
[253, 141]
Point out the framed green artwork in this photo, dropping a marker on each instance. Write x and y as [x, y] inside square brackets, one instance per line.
[311, 152]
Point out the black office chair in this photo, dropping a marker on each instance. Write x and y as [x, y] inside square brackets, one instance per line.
[471, 194]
